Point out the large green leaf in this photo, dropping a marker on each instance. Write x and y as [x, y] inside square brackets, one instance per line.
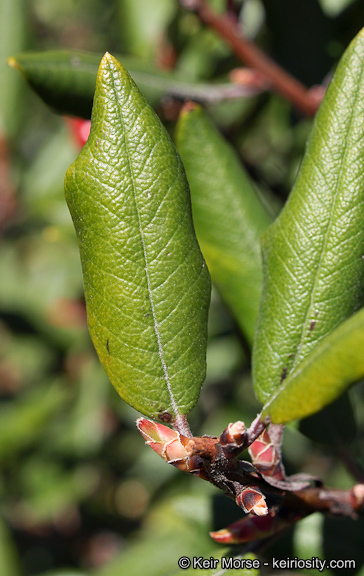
[336, 363]
[313, 253]
[146, 284]
[228, 216]
[66, 80]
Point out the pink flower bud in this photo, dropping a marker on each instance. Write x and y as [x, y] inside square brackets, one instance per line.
[151, 431]
[164, 441]
[358, 493]
[170, 445]
[233, 438]
[265, 457]
[237, 431]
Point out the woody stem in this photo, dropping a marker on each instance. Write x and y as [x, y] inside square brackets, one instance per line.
[280, 80]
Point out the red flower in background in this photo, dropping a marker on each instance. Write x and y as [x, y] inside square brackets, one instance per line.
[80, 129]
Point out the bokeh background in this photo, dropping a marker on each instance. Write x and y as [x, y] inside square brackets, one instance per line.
[80, 493]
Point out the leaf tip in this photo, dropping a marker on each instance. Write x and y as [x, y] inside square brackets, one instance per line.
[109, 61]
[13, 63]
[111, 67]
[107, 57]
[190, 106]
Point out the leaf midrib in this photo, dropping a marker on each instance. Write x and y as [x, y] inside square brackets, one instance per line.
[146, 268]
[327, 234]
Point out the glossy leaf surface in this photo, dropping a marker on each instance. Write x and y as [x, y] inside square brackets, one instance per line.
[334, 365]
[228, 216]
[313, 253]
[146, 284]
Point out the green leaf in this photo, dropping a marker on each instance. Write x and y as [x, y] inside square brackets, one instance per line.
[23, 421]
[9, 560]
[49, 488]
[334, 365]
[66, 81]
[146, 284]
[313, 253]
[228, 217]
[143, 25]
[12, 36]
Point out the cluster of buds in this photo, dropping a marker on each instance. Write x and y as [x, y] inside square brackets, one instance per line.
[187, 454]
[215, 459]
[200, 455]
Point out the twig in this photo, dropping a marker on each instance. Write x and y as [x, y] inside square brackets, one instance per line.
[280, 81]
[328, 500]
[271, 500]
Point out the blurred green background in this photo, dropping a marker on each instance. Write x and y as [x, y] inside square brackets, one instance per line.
[80, 493]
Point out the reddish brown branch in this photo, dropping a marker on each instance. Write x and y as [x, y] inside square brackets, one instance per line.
[291, 498]
[262, 488]
[293, 507]
[280, 81]
[327, 500]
